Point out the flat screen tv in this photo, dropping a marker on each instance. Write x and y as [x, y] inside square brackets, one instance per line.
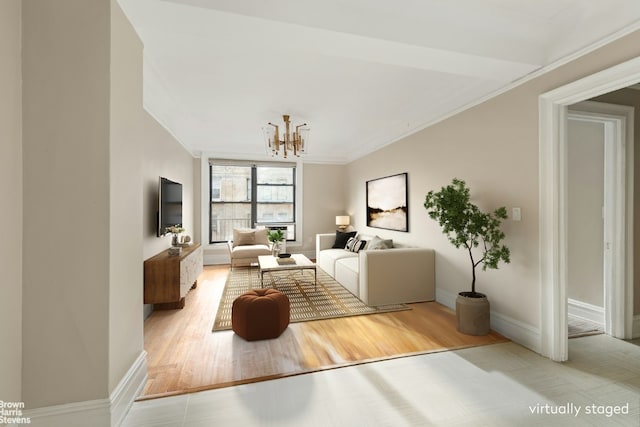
[169, 205]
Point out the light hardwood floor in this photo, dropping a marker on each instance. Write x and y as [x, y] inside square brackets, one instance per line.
[185, 356]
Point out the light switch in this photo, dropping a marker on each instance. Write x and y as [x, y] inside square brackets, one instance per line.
[516, 214]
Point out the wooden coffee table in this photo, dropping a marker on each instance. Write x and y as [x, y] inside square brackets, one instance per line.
[269, 263]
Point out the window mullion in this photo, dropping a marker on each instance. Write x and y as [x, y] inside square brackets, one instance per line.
[254, 195]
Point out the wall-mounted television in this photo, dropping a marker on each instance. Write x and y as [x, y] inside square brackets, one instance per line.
[169, 205]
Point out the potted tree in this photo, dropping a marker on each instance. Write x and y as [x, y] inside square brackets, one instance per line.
[479, 234]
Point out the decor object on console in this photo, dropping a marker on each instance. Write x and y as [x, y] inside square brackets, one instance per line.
[467, 226]
[175, 231]
[379, 277]
[342, 221]
[296, 143]
[247, 245]
[387, 203]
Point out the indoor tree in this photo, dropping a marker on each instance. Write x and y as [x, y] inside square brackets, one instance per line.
[468, 227]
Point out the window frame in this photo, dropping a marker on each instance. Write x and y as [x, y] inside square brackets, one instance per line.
[252, 185]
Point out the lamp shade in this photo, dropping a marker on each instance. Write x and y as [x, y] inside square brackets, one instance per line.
[342, 220]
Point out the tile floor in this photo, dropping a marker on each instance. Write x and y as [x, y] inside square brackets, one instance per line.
[497, 385]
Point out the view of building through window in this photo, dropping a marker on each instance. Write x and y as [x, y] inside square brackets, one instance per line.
[249, 196]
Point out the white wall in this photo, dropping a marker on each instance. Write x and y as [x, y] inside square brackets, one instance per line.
[11, 195]
[585, 180]
[66, 75]
[494, 147]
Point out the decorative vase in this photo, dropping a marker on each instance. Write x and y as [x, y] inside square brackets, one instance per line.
[472, 314]
[174, 240]
[275, 249]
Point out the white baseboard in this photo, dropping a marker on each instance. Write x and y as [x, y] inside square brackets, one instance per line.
[586, 311]
[90, 412]
[513, 329]
[635, 331]
[446, 298]
[129, 387]
[100, 412]
[215, 259]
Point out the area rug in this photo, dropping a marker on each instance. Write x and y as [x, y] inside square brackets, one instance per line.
[580, 327]
[327, 300]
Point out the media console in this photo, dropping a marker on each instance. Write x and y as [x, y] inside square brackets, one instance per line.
[167, 279]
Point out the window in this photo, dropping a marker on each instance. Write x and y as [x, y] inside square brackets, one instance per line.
[248, 196]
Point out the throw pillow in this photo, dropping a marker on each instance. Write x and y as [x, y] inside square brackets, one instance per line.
[355, 245]
[341, 239]
[377, 243]
[261, 237]
[243, 237]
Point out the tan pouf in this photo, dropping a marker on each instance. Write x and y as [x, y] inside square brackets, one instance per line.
[260, 314]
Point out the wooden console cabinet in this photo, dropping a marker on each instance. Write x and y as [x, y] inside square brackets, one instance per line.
[167, 279]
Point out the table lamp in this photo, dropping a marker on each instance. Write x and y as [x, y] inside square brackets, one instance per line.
[342, 221]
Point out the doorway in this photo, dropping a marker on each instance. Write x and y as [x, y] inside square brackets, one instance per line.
[596, 140]
[553, 211]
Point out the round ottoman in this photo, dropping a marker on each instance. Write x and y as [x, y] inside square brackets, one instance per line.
[260, 314]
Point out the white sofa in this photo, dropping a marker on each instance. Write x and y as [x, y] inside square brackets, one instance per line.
[382, 276]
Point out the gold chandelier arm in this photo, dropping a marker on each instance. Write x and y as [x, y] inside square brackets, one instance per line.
[275, 144]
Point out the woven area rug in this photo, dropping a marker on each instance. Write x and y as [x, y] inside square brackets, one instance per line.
[328, 300]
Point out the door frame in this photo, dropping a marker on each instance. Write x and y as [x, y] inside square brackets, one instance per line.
[617, 121]
[553, 112]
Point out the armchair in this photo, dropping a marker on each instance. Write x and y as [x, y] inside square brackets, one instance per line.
[247, 246]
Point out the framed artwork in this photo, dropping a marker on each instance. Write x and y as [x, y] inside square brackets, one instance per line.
[387, 203]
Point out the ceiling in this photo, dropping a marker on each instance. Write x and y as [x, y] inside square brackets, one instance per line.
[361, 73]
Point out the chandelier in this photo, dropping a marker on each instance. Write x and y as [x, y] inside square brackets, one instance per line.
[296, 142]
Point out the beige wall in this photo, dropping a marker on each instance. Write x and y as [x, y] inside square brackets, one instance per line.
[125, 215]
[164, 156]
[66, 75]
[585, 181]
[631, 98]
[324, 198]
[494, 147]
[89, 150]
[11, 195]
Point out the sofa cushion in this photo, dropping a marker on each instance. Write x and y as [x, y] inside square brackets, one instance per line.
[347, 274]
[243, 237]
[250, 251]
[261, 236]
[328, 258]
[354, 244]
[379, 243]
[342, 238]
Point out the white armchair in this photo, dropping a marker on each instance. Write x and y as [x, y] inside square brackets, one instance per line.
[247, 246]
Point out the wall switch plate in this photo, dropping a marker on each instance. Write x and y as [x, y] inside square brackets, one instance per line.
[516, 214]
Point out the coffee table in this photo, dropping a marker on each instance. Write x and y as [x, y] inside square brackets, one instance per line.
[269, 263]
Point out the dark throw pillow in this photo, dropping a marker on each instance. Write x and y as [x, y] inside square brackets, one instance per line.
[342, 238]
